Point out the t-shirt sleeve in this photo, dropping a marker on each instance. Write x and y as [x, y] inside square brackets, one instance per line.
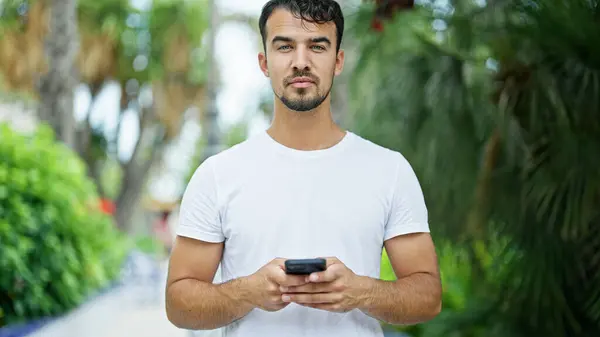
[408, 212]
[199, 216]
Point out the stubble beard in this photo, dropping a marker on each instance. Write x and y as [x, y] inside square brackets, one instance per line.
[304, 102]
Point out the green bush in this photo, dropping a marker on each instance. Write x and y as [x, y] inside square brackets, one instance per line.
[56, 247]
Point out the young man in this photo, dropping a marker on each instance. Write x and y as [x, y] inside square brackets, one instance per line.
[302, 189]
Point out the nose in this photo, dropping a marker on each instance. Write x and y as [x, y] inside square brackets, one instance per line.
[301, 60]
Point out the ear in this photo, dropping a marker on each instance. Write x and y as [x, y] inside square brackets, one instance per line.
[262, 63]
[339, 62]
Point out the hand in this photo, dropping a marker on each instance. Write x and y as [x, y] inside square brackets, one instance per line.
[264, 285]
[336, 289]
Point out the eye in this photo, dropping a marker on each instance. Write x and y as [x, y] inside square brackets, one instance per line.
[284, 47]
[318, 48]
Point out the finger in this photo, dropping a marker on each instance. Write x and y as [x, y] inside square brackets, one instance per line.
[276, 300]
[280, 262]
[279, 276]
[311, 298]
[331, 261]
[276, 274]
[307, 288]
[293, 281]
[329, 275]
[283, 279]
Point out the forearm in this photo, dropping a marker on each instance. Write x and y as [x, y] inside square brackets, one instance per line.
[410, 300]
[197, 305]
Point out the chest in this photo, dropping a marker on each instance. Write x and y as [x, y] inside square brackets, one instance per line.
[304, 215]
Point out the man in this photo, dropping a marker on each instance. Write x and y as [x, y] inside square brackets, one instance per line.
[303, 189]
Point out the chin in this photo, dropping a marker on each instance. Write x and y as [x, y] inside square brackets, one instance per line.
[305, 105]
[302, 102]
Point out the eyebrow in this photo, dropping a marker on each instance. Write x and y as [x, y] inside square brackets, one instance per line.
[321, 39]
[281, 39]
[313, 40]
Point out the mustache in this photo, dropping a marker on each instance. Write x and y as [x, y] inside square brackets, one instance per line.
[288, 80]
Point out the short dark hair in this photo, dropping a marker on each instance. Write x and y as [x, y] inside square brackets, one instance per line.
[315, 11]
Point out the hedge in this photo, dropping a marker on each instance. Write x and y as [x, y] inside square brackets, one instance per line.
[56, 246]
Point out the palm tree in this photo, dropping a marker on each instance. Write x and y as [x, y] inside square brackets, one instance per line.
[495, 104]
[57, 85]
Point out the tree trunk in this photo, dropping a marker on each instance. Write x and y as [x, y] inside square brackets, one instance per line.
[133, 183]
[148, 149]
[340, 95]
[339, 101]
[477, 218]
[481, 203]
[57, 86]
[210, 127]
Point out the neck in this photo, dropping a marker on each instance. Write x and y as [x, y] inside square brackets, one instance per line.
[305, 130]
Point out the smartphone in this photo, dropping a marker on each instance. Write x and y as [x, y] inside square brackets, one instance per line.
[304, 266]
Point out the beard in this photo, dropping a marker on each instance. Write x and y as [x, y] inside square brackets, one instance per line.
[305, 101]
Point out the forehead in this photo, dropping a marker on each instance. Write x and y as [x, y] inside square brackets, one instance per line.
[283, 23]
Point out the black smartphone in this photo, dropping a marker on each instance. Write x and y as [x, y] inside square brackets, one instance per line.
[304, 266]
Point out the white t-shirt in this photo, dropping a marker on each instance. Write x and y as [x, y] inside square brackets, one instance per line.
[265, 201]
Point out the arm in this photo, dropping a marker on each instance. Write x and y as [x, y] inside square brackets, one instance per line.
[193, 302]
[415, 296]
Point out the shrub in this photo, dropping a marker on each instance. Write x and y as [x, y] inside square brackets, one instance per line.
[56, 246]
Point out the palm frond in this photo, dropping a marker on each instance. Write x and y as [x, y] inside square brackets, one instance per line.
[431, 97]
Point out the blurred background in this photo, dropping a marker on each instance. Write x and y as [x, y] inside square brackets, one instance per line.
[108, 106]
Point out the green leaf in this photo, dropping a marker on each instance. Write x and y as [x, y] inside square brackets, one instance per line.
[534, 198]
[52, 233]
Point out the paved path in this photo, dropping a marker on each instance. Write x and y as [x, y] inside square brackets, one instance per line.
[114, 314]
[134, 309]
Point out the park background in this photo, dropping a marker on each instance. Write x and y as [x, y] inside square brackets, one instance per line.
[107, 107]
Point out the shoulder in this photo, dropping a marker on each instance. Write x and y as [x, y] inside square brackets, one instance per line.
[243, 151]
[233, 159]
[380, 155]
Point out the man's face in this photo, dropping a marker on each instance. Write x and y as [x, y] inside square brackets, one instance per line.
[301, 60]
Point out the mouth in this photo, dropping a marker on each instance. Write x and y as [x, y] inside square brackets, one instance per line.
[301, 82]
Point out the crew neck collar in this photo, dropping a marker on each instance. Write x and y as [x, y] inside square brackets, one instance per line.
[283, 149]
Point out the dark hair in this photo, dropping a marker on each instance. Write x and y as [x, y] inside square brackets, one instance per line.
[315, 11]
